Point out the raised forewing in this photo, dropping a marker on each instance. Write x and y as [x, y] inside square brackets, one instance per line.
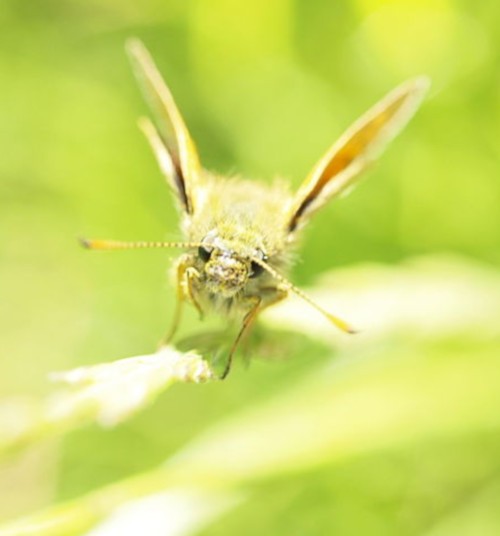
[171, 142]
[358, 146]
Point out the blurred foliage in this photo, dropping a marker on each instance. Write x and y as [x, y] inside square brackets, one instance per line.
[265, 88]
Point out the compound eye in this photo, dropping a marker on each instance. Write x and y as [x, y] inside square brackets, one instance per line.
[204, 253]
[255, 269]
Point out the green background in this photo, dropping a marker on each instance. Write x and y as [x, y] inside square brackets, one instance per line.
[265, 88]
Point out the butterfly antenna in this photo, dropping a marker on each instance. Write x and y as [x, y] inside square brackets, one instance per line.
[115, 244]
[335, 320]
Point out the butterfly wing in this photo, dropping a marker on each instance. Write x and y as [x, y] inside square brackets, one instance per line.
[357, 147]
[174, 149]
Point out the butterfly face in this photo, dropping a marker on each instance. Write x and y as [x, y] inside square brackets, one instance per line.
[225, 273]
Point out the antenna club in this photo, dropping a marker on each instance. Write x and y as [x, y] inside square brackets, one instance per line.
[346, 328]
[88, 243]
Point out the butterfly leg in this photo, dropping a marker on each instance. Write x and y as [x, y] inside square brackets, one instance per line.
[186, 277]
[254, 303]
[273, 295]
[270, 296]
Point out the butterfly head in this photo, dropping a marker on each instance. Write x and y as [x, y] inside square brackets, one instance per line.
[228, 267]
